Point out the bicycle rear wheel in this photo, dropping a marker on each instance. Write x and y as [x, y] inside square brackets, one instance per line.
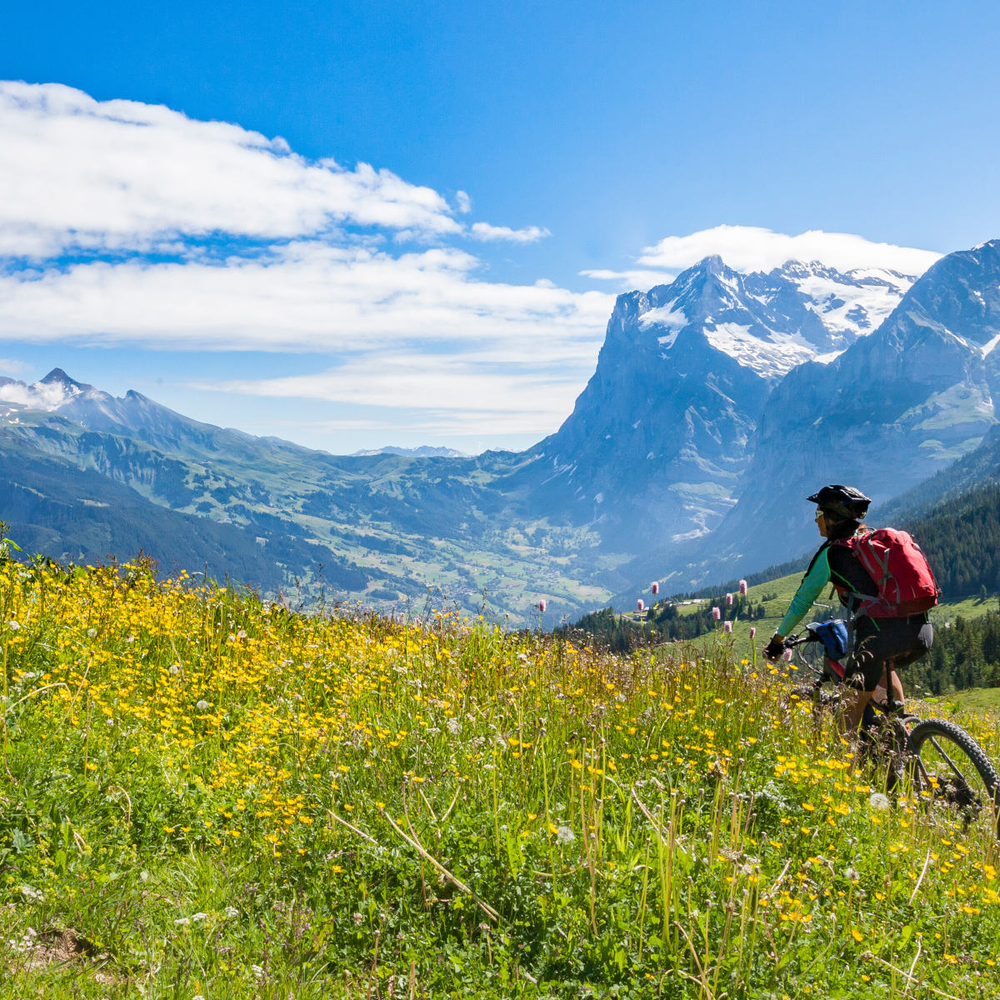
[952, 772]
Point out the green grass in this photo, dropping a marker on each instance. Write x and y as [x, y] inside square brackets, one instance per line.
[207, 795]
[973, 700]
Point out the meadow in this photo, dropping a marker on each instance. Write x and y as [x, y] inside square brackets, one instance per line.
[208, 795]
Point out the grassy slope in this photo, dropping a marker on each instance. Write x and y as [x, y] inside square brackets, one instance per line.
[209, 796]
[781, 590]
[984, 701]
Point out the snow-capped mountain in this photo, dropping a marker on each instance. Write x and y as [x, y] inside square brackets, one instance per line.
[131, 414]
[888, 413]
[50, 394]
[659, 439]
[771, 322]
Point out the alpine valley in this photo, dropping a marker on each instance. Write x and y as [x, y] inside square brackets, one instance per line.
[719, 401]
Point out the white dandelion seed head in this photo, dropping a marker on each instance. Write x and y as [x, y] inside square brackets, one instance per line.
[565, 835]
[879, 801]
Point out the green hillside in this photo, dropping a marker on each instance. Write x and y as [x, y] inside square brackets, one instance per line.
[385, 531]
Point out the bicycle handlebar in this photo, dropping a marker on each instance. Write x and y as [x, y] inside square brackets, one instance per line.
[791, 641]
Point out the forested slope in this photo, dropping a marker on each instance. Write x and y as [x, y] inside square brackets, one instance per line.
[961, 539]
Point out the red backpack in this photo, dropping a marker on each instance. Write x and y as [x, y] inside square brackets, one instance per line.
[906, 585]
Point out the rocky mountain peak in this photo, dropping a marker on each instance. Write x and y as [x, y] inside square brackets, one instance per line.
[58, 377]
[961, 293]
[660, 438]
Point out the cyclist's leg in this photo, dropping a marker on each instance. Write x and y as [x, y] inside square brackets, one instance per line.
[856, 710]
[896, 691]
[862, 672]
[868, 718]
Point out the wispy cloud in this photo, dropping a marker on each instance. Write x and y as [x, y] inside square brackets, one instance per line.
[632, 279]
[39, 396]
[307, 296]
[10, 367]
[469, 392]
[207, 236]
[487, 233]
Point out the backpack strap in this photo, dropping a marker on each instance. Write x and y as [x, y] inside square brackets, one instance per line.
[856, 602]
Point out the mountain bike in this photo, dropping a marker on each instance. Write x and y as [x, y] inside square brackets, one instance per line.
[933, 760]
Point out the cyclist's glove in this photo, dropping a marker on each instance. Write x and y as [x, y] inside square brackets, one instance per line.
[774, 649]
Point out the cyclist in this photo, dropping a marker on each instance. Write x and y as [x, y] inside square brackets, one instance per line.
[881, 645]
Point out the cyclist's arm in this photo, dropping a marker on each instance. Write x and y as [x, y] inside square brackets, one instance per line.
[810, 588]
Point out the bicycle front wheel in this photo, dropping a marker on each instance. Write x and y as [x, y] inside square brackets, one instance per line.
[953, 774]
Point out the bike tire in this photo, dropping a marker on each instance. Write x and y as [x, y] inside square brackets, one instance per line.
[971, 785]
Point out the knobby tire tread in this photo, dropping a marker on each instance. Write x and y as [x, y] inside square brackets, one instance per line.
[923, 731]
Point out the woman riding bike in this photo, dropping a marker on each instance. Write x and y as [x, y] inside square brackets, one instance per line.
[881, 644]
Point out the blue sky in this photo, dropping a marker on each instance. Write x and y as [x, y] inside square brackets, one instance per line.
[528, 161]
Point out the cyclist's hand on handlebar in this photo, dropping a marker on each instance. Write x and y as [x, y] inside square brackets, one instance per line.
[776, 647]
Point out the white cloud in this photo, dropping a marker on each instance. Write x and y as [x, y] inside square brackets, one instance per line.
[627, 280]
[487, 233]
[39, 396]
[298, 261]
[305, 296]
[120, 174]
[419, 332]
[750, 248]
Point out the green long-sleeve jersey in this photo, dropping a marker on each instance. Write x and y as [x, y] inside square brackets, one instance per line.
[832, 564]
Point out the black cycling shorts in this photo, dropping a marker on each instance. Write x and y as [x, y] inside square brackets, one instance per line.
[881, 642]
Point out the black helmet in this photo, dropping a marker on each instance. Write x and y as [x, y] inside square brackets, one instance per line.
[845, 503]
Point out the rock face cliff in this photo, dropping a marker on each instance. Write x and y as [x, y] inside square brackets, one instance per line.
[892, 410]
[659, 441]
